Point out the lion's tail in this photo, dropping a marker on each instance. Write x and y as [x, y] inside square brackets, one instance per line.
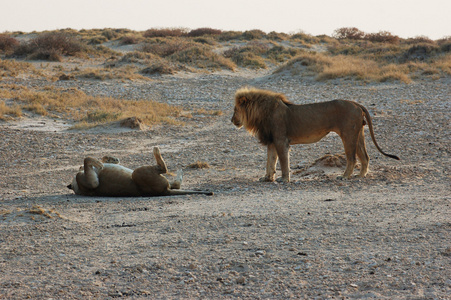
[187, 192]
[370, 126]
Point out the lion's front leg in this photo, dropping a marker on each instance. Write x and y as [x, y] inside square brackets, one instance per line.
[271, 163]
[89, 178]
[283, 151]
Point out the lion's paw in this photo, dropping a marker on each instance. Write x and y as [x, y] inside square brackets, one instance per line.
[283, 180]
[266, 179]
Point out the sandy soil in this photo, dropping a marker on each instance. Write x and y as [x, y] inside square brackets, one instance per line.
[384, 237]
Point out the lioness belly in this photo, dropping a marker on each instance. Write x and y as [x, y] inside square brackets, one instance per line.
[116, 180]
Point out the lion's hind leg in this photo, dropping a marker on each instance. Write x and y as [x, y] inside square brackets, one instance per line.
[160, 162]
[362, 154]
[350, 145]
[150, 181]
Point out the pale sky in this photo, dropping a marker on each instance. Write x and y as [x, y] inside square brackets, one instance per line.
[405, 18]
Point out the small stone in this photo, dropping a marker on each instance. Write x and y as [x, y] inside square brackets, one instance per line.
[241, 280]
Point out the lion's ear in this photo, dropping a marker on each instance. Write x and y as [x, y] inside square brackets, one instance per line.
[242, 100]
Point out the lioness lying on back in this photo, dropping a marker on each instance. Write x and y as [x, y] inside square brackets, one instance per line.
[113, 180]
[278, 123]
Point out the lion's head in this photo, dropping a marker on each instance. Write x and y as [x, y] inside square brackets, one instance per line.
[254, 109]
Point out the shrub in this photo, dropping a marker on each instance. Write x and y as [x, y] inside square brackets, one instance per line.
[110, 34]
[420, 52]
[305, 37]
[7, 43]
[50, 46]
[7, 112]
[249, 55]
[382, 37]
[203, 31]
[277, 36]
[445, 44]
[204, 40]
[202, 57]
[420, 39]
[159, 68]
[166, 48]
[100, 116]
[351, 33]
[164, 32]
[129, 40]
[281, 53]
[255, 34]
[97, 40]
[230, 35]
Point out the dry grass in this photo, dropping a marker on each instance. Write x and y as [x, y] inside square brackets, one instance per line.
[85, 110]
[14, 68]
[124, 72]
[351, 53]
[199, 165]
[48, 213]
[341, 66]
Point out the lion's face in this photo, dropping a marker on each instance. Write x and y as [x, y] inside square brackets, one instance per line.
[236, 118]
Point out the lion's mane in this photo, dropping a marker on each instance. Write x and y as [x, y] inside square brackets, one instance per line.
[256, 108]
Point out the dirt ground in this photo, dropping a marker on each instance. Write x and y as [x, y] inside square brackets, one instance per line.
[383, 237]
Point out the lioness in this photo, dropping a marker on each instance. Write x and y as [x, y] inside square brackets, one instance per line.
[278, 123]
[113, 180]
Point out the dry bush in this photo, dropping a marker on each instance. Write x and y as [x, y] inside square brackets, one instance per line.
[445, 44]
[203, 31]
[202, 57]
[166, 47]
[164, 32]
[279, 54]
[13, 68]
[277, 36]
[7, 43]
[50, 46]
[97, 40]
[382, 37]
[205, 41]
[230, 35]
[249, 56]
[314, 62]
[160, 68]
[8, 112]
[129, 40]
[136, 57]
[110, 34]
[304, 37]
[420, 52]
[255, 34]
[421, 39]
[351, 33]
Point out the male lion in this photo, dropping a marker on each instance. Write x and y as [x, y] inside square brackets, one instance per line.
[278, 123]
[113, 180]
